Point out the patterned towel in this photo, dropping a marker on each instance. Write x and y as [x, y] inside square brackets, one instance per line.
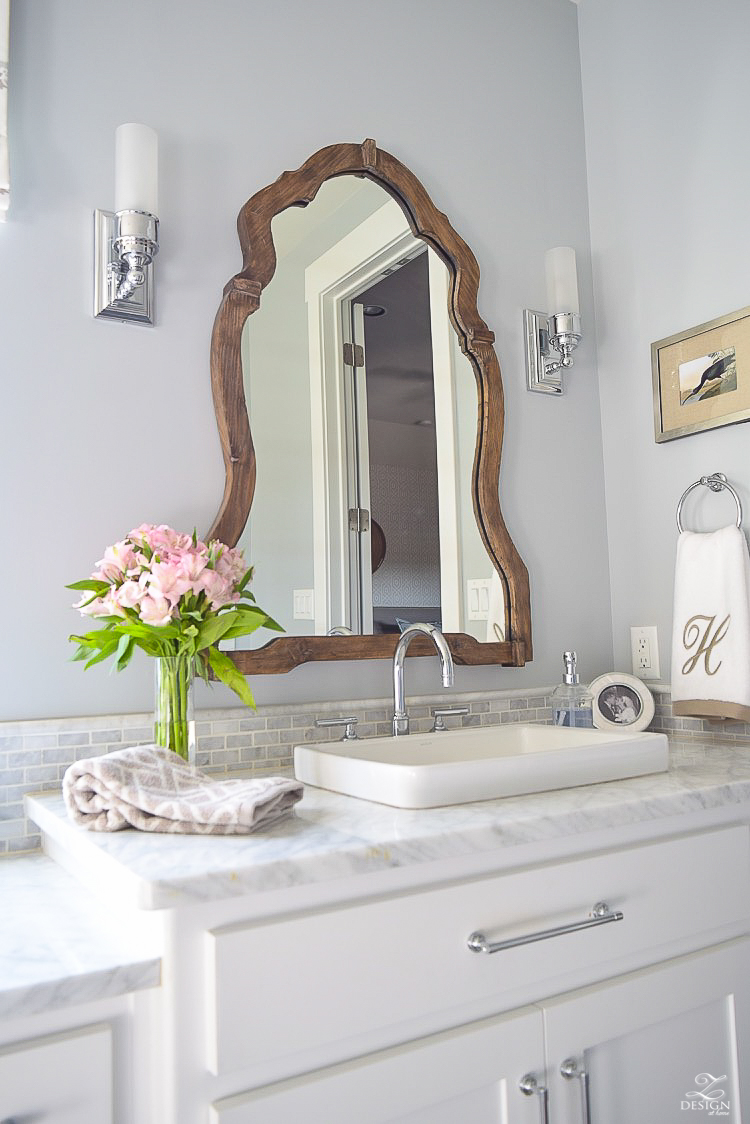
[153, 789]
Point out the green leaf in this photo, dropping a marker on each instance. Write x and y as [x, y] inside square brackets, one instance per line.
[93, 639]
[226, 670]
[104, 654]
[95, 585]
[125, 650]
[214, 629]
[244, 580]
[246, 620]
[150, 647]
[201, 666]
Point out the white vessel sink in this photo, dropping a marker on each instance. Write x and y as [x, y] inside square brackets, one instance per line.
[477, 763]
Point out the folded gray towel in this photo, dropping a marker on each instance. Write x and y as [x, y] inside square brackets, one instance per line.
[153, 789]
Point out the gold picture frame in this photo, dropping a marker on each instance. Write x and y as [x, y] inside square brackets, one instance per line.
[702, 377]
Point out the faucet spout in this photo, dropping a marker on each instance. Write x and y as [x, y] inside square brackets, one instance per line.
[400, 717]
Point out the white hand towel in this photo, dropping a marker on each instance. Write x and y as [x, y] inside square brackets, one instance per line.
[153, 789]
[711, 629]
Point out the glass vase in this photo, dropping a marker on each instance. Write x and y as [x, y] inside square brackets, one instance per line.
[174, 715]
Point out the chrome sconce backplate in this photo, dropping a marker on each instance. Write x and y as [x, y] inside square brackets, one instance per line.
[541, 333]
[124, 245]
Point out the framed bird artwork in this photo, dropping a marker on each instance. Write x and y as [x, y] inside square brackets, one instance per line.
[702, 377]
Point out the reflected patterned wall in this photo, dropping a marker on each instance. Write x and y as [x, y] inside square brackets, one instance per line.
[406, 510]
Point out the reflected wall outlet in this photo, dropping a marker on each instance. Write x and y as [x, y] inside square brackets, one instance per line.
[644, 647]
[478, 598]
[304, 605]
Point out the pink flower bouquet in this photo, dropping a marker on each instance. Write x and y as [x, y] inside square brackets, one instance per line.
[172, 596]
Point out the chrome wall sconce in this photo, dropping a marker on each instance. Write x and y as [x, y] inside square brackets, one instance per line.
[561, 329]
[127, 241]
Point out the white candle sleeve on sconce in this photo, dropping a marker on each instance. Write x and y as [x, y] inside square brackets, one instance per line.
[562, 281]
[4, 162]
[136, 169]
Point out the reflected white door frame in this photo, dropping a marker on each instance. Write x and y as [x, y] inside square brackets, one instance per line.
[357, 452]
[380, 243]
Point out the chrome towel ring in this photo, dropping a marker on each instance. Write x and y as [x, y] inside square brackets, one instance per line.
[717, 481]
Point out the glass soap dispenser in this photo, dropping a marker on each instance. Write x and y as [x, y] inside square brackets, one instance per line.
[571, 701]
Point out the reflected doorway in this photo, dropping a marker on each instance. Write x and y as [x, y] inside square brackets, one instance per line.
[395, 532]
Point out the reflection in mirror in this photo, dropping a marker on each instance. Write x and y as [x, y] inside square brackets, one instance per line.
[364, 420]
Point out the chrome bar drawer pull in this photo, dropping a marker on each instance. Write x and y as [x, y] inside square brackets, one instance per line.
[601, 914]
[529, 1086]
[570, 1070]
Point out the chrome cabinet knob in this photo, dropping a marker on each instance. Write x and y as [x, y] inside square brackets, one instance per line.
[530, 1086]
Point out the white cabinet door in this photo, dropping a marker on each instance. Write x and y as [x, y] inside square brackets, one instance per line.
[63, 1079]
[469, 1074]
[656, 1045]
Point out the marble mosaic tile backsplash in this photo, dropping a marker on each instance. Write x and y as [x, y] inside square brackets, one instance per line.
[34, 754]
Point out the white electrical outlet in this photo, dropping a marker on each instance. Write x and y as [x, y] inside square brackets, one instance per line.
[644, 647]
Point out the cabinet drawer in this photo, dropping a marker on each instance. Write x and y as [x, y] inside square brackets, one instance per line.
[63, 1079]
[354, 970]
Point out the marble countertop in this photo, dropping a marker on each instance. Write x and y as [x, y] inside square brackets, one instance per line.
[58, 947]
[332, 837]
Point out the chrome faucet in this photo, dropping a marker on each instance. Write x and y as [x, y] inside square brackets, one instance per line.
[400, 717]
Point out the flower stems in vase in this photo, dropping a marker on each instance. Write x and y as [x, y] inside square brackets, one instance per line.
[174, 717]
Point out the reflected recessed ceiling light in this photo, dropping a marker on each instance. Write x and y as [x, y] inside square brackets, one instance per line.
[424, 421]
[373, 310]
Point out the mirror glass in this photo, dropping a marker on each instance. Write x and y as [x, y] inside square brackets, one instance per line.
[364, 422]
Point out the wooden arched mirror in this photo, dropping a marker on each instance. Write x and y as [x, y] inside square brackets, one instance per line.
[349, 430]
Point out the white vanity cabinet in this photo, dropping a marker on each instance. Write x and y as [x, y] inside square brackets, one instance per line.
[654, 1045]
[379, 1011]
[641, 1048]
[469, 1074]
[64, 1078]
[312, 975]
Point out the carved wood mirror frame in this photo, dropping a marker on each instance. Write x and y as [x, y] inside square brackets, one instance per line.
[242, 297]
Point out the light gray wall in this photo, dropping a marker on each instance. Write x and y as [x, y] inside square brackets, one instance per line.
[108, 425]
[666, 94]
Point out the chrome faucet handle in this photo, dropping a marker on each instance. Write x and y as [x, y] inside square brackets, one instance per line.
[441, 712]
[348, 722]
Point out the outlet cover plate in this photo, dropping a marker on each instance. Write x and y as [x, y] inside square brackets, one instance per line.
[644, 648]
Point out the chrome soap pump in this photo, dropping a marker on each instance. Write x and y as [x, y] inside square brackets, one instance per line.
[571, 701]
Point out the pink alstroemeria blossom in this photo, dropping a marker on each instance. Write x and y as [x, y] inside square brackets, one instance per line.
[116, 561]
[91, 608]
[192, 565]
[231, 565]
[110, 605]
[162, 540]
[155, 610]
[167, 580]
[129, 594]
[218, 590]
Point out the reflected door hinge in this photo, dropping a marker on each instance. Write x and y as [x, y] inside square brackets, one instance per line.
[359, 519]
[354, 355]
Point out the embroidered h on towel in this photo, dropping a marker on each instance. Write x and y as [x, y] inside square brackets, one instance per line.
[711, 629]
